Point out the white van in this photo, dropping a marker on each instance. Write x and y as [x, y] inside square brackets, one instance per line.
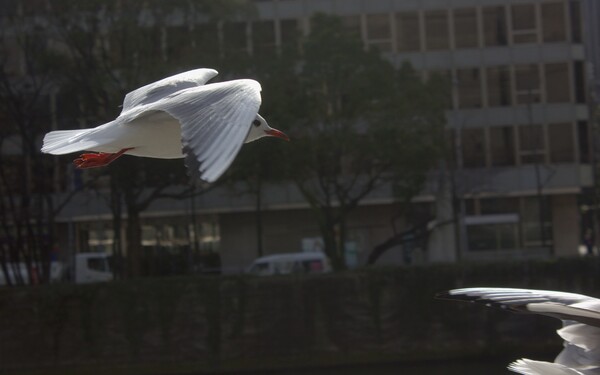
[88, 268]
[290, 263]
[92, 268]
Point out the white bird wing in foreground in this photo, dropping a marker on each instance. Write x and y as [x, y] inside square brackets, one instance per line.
[215, 120]
[530, 367]
[581, 324]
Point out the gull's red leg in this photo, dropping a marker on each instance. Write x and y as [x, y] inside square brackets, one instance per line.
[99, 159]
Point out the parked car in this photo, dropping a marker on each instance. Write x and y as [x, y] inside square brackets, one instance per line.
[88, 268]
[92, 268]
[290, 263]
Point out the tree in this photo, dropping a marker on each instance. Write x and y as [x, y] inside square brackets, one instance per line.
[114, 47]
[259, 164]
[361, 125]
[27, 209]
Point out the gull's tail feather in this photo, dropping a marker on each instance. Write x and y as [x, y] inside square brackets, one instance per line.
[62, 142]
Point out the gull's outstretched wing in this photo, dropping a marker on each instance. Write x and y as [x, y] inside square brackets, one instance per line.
[215, 120]
[581, 325]
[561, 305]
[530, 367]
[167, 86]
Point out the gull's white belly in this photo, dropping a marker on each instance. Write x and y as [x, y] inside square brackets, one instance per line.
[157, 135]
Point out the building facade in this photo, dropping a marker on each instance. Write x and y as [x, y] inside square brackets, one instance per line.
[520, 129]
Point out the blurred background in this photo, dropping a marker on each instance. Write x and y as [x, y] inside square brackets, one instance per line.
[434, 144]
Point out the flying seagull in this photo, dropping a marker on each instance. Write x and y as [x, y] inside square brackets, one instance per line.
[177, 117]
[580, 315]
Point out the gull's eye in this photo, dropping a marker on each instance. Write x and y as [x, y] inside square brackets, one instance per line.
[256, 123]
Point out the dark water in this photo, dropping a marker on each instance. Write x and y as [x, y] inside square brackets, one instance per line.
[458, 367]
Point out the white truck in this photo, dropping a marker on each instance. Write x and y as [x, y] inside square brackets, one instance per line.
[92, 268]
[87, 268]
[310, 262]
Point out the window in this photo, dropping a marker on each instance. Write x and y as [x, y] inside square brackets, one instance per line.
[496, 227]
[13, 172]
[575, 13]
[490, 206]
[583, 138]
[13, 59]
[263, 37]
[562, 144]
[450, 143]
[502, 146]
[558, 88]
[290, 34]
[436, 30]
[207, 39]
[494, 26]
[523, 23]
[99, 239]
[496, 236]
[234, 38]
[379, 32]
[259, 269]
[531, 144]
[178, 42]
[553, 22]
[498, 86]
[473, 148]
[352, 25]
[465, 28]
[527, 81]
[471, 206]
[118, 54]
[501, 223]
[408, 33]
[579, 82]
[469, 88]
[536, 233]
[98, 264]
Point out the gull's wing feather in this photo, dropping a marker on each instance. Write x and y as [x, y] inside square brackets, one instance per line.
[561, 305]
[581, 335]
[215, 120]
[575, 355]
[529, 367]
[167, 86]
[581, 325]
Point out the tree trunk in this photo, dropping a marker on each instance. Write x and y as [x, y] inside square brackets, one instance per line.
[259, 226]
[332, 233]
[383, 247]
[117, 224]
[134, 243]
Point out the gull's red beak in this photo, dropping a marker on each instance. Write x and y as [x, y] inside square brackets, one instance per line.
[277, 133]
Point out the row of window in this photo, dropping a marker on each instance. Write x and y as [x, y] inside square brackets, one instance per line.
[505, 146]
[415, 31]
[517, 223]
[523, 84]
[548, 22]
[163, 233]
[429, 30]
